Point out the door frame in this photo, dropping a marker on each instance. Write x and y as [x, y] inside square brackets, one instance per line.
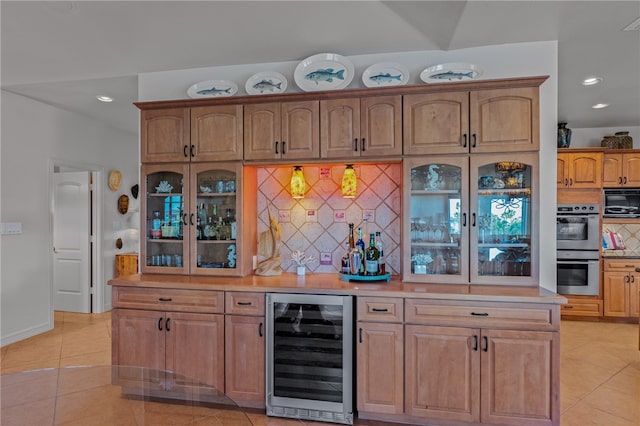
[97, 275]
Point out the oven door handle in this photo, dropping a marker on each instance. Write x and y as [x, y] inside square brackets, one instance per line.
[566, 262]
[577, 216]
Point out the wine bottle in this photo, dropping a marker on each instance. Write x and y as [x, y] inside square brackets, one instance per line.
[381, 264]
[352, 241]
[345, 259]
[361, 248]
[371, 257]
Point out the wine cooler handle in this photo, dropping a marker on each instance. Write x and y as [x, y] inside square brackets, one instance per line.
[260, 329]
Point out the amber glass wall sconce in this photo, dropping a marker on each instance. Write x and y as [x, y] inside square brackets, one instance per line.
[349, 182]
[298, 184]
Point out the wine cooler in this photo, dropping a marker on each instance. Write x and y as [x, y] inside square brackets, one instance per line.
[310, 357]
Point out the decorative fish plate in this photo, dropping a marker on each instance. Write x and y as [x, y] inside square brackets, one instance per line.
[385, 74]
[451, 72]
[266, 83]
[324, 71]
[212, 89]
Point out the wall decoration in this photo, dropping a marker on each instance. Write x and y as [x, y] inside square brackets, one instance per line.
[123, 204]
[115, 178]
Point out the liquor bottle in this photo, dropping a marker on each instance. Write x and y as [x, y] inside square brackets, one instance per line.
[371, 257]
[360, 246]
[352, 241]
[199, 229]
[156, 224]
[345, 260]
[381, 265]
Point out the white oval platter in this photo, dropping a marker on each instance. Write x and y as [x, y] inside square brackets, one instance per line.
[385, 74]
[457, 71]
[265, 83]
[212, 89]
[324, 71]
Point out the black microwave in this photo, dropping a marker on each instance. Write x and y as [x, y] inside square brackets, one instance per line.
[622, 202]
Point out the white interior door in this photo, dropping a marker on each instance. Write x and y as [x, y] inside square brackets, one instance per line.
[71, 242]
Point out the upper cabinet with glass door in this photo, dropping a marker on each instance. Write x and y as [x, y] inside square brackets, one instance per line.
[483, 232]
[497, 120]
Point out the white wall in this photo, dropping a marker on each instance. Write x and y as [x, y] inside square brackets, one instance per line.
[591, 137]
[34, 134]
[503, 61]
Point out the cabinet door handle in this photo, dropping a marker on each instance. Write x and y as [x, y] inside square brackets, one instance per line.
[276, 147]
[474, 141]
[480, 314]
[244, 303]
[360, 334]
[379, 310]
[475, 342]
[625, 180]
[355, 144]
[165, 299]
[570, 181]
[627, 279]
[464, 219]
[473, 219]
[184, 219]
[566, 182]
[192, 151]
[166, 324]
[184, 151]
[362, 144]
[485, 341]
[260, 329]
[160, 323]
[620, 180]
[633, 278]
[464, 140]
[191, 219]
[283, 150]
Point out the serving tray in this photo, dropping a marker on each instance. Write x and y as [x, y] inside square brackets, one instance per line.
[363, 278]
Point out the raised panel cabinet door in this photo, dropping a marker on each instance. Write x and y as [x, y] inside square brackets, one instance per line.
[631, 170]
[262, 135]
[245, 360]
[138, 339]
[340, 128]
[503, 120]
[380, 369]
[216, 133]
[612, 170]
[520, 377]
[616, 303]
[436, 123]
[300, 130]
[442, 373]
[585, 170]
[164, 135]
[563, 170]
[634, 296]
[195, 347]
[381, 126]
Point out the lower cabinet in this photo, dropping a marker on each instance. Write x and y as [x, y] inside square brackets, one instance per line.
[621, 286]
[188, 344]
[245, 348]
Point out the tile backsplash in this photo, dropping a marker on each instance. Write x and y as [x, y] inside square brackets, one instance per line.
[318, 224]
[630, 233]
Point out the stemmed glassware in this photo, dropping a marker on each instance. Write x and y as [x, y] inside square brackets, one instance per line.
[484, 222]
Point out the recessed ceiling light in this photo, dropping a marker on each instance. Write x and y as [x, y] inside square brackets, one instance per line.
[103, 98]
[599, 106]
[590, 81]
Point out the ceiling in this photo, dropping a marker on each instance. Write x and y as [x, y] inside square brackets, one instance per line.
[64, 53]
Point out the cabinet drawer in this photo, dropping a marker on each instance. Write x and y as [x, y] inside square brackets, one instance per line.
[380, 309]
[176, 300]
[244, 303]
[620, 265]
[527, 316]
[586, 308]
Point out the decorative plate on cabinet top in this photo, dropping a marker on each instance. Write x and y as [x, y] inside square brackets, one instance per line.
[212, 89]
[164, 187]
[324, 71]
[458, 71]
[385, 74]
[264, 83]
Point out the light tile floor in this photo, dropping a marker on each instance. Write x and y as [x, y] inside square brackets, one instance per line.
[599, 379]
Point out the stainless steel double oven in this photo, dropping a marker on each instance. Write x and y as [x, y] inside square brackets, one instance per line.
[578, 239]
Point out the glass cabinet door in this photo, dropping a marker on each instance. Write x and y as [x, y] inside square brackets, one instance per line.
[164, 247]
[436, 220]
[503, 229]
[214, 210]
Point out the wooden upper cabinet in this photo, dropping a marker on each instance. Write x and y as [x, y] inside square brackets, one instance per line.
[436, 123]
[216, 133]
[361, 127]
[579, 170]
[620, 170]
[164, 135]
[281, 131]
[504, 120]
[498, 120]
